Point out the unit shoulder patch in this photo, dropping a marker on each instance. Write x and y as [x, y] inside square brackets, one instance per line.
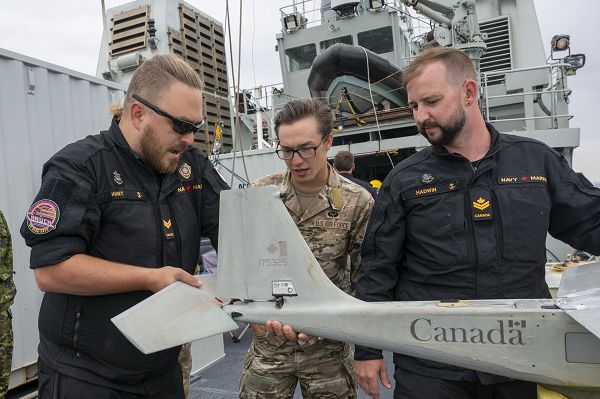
[43, 216]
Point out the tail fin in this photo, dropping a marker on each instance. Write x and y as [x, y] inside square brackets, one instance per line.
[260, 249]
[261, 255]
[579, 295]
[173, 316]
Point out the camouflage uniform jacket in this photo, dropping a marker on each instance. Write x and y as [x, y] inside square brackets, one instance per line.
[7, 287]
[333, 225]
[7, 294]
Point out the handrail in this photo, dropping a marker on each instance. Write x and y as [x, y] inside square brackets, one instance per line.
[556, 86]
[293, 9]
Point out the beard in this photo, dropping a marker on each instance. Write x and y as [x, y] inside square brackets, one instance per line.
[156, 157]
[449, 130]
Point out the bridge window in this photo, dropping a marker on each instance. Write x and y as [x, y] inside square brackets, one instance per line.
[325, 44]
[301, 57]
[380, 40]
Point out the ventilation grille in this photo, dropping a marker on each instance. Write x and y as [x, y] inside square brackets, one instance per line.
[129, 31]
[201, 43]
[498, 56]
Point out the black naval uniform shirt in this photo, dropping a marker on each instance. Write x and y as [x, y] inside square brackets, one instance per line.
[445, 228]
[98, 198]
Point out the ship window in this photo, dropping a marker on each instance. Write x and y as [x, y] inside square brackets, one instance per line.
[325, 44]
[378, 40]
[301, 57]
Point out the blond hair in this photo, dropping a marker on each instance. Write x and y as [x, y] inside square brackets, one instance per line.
[154, 77]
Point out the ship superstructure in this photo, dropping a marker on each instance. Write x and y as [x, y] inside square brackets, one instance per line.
[522, 91]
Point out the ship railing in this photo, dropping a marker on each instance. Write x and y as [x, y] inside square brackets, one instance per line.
[556, 89]
[260, 97]
[257, 107]
[311, 11]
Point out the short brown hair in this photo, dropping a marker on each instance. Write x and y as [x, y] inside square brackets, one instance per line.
[296, 110]
[155, 76]
[343, 161]
[458, 65]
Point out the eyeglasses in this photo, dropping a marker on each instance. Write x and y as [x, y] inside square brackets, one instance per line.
[304, 152]
[180, 126]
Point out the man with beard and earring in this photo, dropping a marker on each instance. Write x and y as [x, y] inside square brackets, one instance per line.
[465, 218]
[119, 216]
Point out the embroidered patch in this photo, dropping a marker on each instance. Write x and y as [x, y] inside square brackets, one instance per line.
[43, 216]
[121, 195]
[523, 179]
[167, 224]
[117, 178]
[429, 190]
[336, 199]
[481, 206]
[187, 188]
[185, 171]
[332, 224]
[427, 178]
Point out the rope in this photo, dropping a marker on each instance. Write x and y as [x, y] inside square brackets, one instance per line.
[236, 87]
[217, 162]
[374, 108]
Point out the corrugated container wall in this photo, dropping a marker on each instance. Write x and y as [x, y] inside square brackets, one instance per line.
[43, 107]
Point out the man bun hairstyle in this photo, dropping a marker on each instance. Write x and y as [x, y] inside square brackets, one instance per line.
[154, 77]
[296, 110]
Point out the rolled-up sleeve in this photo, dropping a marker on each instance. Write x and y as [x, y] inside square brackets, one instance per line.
[64, 217]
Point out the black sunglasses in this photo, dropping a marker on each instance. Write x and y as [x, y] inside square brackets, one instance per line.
[179, 125]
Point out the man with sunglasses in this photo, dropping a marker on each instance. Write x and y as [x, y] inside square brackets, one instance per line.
[331, 213]
[119, 216]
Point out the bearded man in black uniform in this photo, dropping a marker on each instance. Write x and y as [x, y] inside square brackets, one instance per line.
[465, 218]
[119, 215]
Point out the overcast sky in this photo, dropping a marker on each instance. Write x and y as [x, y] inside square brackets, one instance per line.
[68, 33]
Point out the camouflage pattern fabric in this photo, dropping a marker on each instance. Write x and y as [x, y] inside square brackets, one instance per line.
[274, 366]
[333, 227]
[185, 360]
[7, 294]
